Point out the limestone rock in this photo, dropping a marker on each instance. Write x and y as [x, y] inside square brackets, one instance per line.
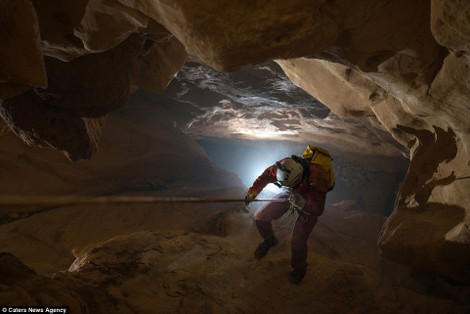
[150, 142]
[90, 47]
[142, 271]
[371, 32]
[155, 68]
[21, 61]
[450, 25]
[450, 91]
[227, 35]
[86, 87]
[350, 93]
[431, 119]
[356, 95]
[38, 123]
[423, 103]
[70, 29]
[92, 85]
[12, 270]
[20, 284]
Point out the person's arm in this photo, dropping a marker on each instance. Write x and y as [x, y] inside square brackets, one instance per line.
[268, 176]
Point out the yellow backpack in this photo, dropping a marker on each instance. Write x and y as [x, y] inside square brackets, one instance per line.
[321, 157]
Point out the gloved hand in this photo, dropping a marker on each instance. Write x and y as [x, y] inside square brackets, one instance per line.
[249, 198]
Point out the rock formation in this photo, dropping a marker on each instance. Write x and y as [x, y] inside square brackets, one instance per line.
[401, 64]
[163, 270]
[425, 108]
[93, 54]
[142, 156]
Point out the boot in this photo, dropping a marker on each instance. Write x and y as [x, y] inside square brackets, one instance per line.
[264, 246]
[297, 275]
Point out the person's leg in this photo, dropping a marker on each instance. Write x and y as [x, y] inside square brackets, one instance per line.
[302, 229]
[263, 218]
[269, 212]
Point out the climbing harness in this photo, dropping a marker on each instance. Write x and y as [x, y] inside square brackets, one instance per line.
[296, 204]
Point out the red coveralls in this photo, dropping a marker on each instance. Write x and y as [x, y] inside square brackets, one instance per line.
[313, 189]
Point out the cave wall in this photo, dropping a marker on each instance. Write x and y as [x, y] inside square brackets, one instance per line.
[426, 109]
[67, 63]
[140, 155]
[401, 64]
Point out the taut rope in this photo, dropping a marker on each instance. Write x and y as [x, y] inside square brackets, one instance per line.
[10, 200]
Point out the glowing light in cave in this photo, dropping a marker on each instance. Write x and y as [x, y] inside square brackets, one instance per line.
[258, 170]
[249, 159]
[272, 188]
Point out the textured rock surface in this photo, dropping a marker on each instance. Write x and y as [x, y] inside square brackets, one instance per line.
[38, 123]
[260, 103]
[141, 151]
[430, 116]
[227, 35]
[168, 271]
[449, 25]
[70, 29]
[164, 58]
[22, 285]
[21, 62]
[93, 53]
[148, 162]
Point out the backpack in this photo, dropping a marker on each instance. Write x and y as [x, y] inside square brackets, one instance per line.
[321, 157]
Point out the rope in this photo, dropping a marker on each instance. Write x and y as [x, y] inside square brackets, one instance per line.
[10, 200]
[462, 178]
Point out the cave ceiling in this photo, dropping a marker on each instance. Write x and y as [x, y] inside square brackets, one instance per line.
[259, 103]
